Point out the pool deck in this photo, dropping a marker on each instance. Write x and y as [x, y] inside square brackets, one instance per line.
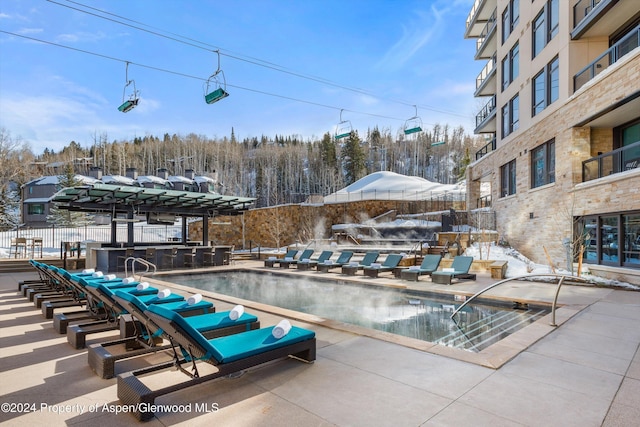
[584, 372]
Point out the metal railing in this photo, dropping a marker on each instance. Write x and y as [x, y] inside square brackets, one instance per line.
[487, 110]
[609, 57]
[612, 162]
[583, 8]
[488, 70]
[489, 147]
[488, 29]
[561, 277]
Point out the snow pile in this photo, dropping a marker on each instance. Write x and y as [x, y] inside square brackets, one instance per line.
[393, 186]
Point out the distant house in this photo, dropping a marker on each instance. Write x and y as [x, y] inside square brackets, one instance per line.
[35, 196]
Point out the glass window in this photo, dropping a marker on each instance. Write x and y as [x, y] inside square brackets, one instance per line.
[515, 113]
[545, 26]
[545, 87]
[543, 164]
[506, 72]
[609, 236]
[538, 34]
[515, 59]
[631, 252]
[510, 66]
[35, 209]
[508, 179]
[538, 93]
[554, 78]
[510, 18]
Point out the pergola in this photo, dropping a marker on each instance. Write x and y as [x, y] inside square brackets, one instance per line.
[125, 202]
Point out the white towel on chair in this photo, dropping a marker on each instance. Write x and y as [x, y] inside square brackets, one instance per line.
[194, 299]
[97, 274]
[236, 312]
[414, 267]
[281, 329]
[164, 293]
[110, 277]
[88, 271]
[128, 280]
[142, 286]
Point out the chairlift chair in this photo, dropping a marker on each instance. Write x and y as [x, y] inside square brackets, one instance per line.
[216, 87]
[343, 129]
[129, 104]
[414, 124]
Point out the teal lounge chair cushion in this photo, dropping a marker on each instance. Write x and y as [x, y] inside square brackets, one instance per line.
[212, 321]
[239, 346]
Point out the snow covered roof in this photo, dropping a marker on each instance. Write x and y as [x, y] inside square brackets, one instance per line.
[55, 180]
[152, 178]
[180, 178]
[393, 186]
[118, 179]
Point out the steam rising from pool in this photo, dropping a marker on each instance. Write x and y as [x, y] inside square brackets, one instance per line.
[376, 308]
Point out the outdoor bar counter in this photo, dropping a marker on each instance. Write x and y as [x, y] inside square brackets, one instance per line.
[111, 260]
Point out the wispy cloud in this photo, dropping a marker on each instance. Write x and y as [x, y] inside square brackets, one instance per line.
[81, 37]
[28, 31]
[415, 35]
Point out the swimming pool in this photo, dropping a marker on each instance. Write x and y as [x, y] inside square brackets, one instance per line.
[422, 316]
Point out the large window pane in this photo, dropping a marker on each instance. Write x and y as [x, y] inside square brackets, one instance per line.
[554, 74]
[631, 254]
[609, 237]
[538, 93]
[539, 34]
[515, 113]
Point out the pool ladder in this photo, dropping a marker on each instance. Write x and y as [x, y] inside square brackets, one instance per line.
[148, 265]
[528, 276]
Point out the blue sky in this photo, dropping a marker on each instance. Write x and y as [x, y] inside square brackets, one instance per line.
[290, 67]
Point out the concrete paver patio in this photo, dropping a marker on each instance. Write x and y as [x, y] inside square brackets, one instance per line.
[586, 372]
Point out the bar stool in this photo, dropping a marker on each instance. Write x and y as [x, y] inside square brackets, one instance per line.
[36, 242]
[20, 247]
[150, 255]
[169, 257]
[189, 259]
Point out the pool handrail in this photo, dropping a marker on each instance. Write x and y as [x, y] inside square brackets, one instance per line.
[527, 276]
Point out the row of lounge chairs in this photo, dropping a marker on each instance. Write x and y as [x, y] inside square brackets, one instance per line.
[429, 267]
[152, 320]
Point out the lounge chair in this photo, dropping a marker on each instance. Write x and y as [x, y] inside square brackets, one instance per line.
[230, 354]
[306, 254]
[352, 268]
[459, 270]
[389, 264]
[429, 264]
[101, 295]
[272, 261]
[343, 259]
[309, 264]
[146, 337]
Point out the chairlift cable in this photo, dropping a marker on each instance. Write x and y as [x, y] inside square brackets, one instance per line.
[177, 73]
[254, 61]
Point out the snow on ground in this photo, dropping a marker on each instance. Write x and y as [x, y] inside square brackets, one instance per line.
[519, 265]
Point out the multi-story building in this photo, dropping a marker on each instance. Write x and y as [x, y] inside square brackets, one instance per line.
[560, 82]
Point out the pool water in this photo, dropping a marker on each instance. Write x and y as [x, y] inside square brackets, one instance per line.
[424, 317]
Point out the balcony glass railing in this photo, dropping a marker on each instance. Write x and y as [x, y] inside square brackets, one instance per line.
[489, 147]
[486, 72]
[472, 14]
[610, 56]
[616, 161]
[488, 29]
[486, 111]
[582, 9]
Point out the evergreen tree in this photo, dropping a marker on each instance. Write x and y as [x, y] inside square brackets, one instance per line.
[64, 217]
[353, 159]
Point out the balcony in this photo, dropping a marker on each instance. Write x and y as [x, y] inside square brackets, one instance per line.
[600, 18]
[478, 17]
[625, 45]
[616, 161]
[486, 118]
[489, 147]
[486, 82]
[487, 44]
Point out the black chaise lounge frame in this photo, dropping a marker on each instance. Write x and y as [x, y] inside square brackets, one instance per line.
[134, 393]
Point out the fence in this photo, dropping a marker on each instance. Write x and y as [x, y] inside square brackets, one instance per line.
[53, 237]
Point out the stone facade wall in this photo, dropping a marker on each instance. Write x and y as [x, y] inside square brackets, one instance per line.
[287, 224]
[537, 218]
